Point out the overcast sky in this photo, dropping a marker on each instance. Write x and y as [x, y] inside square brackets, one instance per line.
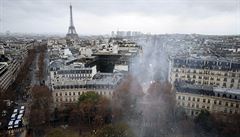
[103, 16]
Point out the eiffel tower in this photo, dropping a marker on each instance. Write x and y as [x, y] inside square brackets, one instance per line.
[72, 34]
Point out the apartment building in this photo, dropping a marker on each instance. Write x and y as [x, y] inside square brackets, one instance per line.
[69, 91]
[8, 73]
[210, 71]
[194, 98]
[1, 49]
[59, 72]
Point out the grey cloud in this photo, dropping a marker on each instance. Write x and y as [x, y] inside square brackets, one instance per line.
[105, 7]
[45, 12]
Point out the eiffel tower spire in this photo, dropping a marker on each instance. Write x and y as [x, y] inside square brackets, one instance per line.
[72, 34]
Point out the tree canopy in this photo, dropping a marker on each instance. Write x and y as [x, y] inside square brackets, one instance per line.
[92, 109]
[114, 130]
[90, 97]
[61, 133]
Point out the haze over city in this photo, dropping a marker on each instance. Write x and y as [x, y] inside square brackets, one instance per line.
[101, 17]
[119, 68]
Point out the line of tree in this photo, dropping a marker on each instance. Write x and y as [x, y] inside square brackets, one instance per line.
[40, 111]
[42, 49]
[24, 70]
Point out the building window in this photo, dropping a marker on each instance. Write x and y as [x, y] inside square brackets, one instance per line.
[220, 103]
[56, 94]
[198, 99]
[208, 100]
[183, 104]
[204, 100]
[237, 105]
[179, 97]
[224, 95]
[226, 104]
[206, 78]
[215, 102]
[189, 98]
[193, 99]
[192, 113]
[183, 98]
[225, 110]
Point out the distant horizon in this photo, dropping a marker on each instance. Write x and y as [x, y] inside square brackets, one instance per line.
[149, 33]
[94, 17]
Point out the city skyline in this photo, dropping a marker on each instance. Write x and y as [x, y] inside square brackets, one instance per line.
[101, 17]
[120, 68]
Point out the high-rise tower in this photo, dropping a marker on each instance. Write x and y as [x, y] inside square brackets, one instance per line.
[72, 34]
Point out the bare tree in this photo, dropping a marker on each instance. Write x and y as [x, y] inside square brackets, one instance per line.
[40, 109]
[125, 98]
